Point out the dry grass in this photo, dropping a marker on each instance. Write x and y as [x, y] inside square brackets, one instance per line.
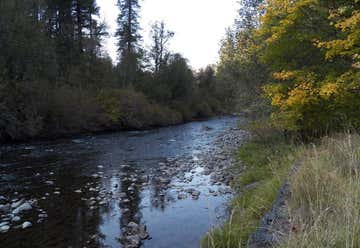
[325, 203]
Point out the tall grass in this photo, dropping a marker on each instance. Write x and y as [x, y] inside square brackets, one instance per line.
[325, 201]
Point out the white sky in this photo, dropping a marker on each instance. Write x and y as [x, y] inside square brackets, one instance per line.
[199, 25]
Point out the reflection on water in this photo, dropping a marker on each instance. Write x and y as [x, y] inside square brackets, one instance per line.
[84, 192]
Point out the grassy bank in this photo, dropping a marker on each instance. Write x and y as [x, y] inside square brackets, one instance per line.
[266, 163]
[324, 205]
[325, 202]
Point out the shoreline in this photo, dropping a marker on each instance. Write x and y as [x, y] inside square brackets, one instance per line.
[100, 131]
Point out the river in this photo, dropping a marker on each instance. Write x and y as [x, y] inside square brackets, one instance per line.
[168, 185]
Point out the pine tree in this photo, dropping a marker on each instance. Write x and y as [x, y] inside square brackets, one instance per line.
[128, 40]
[26, 53]
[88, 32]
[75, 31]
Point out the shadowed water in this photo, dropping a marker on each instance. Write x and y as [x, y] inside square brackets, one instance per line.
[85, 191]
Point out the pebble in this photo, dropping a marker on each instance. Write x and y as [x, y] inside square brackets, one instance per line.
[4, 229]
[43, 216]
[122, 195]
[225, 191]
[17, 204]
[16, 219]
[4, 207]
[4, 224]
[182, 196]
[195, 194]
[132, 241]
[24, 207]
[26, 224]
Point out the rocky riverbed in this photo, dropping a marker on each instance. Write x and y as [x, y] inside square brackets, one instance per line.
[159, 188]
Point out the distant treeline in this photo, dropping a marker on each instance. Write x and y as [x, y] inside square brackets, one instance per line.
[55, 77]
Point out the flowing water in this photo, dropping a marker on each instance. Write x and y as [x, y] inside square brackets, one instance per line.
[84, 192]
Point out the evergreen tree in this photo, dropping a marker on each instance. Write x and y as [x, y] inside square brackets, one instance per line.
[128, 40]
[25, 51]
[76, 33]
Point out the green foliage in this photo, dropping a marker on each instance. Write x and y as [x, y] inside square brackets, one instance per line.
[130, 109]
[303, 55]
[19, 115]
[240, 72]
[128, 36]
[313, 61]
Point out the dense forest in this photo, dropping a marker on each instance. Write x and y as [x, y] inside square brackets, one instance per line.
[56, 79]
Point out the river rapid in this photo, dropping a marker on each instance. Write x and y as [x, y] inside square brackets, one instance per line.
[163, 188]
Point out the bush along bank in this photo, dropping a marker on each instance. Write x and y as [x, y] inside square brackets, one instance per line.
[32, 112]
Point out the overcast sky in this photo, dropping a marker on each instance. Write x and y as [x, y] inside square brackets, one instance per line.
[199, 25]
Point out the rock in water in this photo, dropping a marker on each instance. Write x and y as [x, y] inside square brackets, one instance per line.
[50, 183]
[4, 208]
[26, 224]
[4, 224]
[143, 233]
[2, 199]
[225, 191]
[24, 207]
[4, 228]
[132, 241]
[182, 196]
[16, 219]
[17, 204]
[195, 194]
[133, 225]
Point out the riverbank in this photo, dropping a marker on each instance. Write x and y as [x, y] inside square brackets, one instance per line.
[324, 203]
[51, 135]
[294, 195]
[265, 165]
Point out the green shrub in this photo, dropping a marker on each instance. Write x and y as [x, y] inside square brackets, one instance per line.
[130, 109]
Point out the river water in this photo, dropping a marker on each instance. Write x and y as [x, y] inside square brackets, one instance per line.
[84, 192]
